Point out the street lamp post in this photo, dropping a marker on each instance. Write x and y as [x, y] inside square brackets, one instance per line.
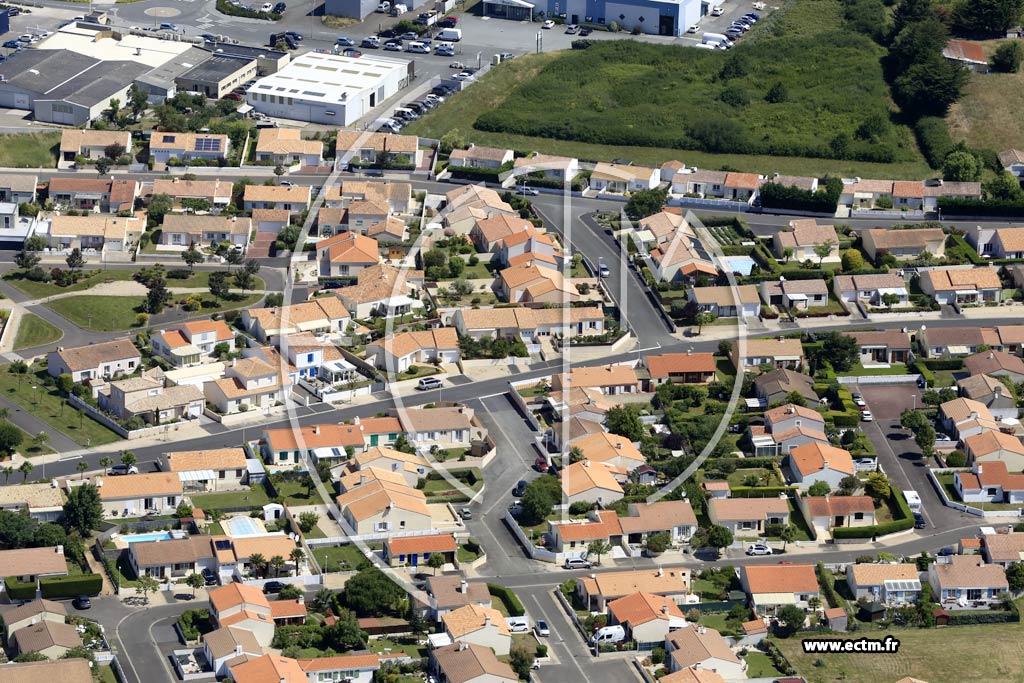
[914, 398]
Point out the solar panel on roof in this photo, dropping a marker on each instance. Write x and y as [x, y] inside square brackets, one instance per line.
[208, 145]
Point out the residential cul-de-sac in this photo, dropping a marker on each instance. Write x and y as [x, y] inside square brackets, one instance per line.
[496, 341]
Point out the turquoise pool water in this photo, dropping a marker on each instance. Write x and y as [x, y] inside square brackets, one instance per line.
[155, 536]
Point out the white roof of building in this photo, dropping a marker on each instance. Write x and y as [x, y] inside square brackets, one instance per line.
[327, 78]
[130, 48]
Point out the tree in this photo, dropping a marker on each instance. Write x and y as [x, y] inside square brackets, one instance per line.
[823, 250]
[16, 530]
[598, 548]
[796, 398]
[105, 462]
[787, 254]
[453, 139]
[49, 535]
[777, 93]
[839, 351]
[1015, 577]
[793, 617]
[520, 658]
[128, 458]
[147, 585]
[877, 486]
[8, 471]
[191, 257]
[159, 205]
[371, 591]
[986, 17]
[435, 561]
[916, 43]
[853, 261]
[819, 488]
[539, 497]
[114, 151]
[296, 556]
[924, 437]
[277, 563]
[26, 469]
[889, 299]
[930, 87]
[75, 260]
[82, 466]
[258, 564]
[961, 165]
[194, 581]
[1007, 57]
[234, 257]
[157, 296]
[244, 280]
[83, 510]
[718, 537]
[658, 543]
[704, 318]
[113, 107]
[345, 634]
[645, 203]
[27, 260]
[279, 171]
[308, 520]
[624, 420]
[103, 165]
[138, 100]
[65, 383]
[787, 535]
[323, 600]
[218, 283]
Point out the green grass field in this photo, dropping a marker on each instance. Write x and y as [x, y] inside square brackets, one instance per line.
[98, 313]
[987, 115]
[34, 331]
[966, 654]
[583, 103]
[29, 150]
[39, 290]
[47, 404]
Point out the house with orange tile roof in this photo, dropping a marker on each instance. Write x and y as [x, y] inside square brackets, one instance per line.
[990, 482]
[347, 253]
[962, 286]
[681, 368]
[673, 517]
[356, 668]
[622, 178]
[319, 316]
[397, 352]
[830, 512]
[363, 148]
[152, 398]
[267, 668]
[882, 347]
[773, 586]
[28, 564]
[597, 590]
[478, 156]
[179, 231]
[91, 144]
[699, 181]
[534, 281]
[488, 233]
[292, 198]
[967, 582]
[647, 618]
[799, 295]
[611, 449]
[383, 290]
[367, 202]
[224, 644]
[530, 244]
[817, 461]
[468, 663]
[381, 506]
[862, 193]
[287, 147]
[991, 393]
[748, 516]
[193, 343]
[592, 482]
[444, 426]
[216, 192]
[720, 300]
[991, 446]
[139, 494]
[218, 469]
[659, 228]
[173, 558]
[415, 551]
[889, 584]
[742, 187]
[164, 146]
[610, 380]
[477, 625]
[94, 194]
[681, 258]
[248, 384]
[573, 536]
[972, 415]
[701, 650]
[903, 245]
[995, 242]
[801, 240]
[521, 322]
[284, 446]
[411, 466]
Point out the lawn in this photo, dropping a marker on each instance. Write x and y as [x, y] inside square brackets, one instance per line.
[859, 370]
[583, 103]
[105, 674]
[736, 478]
[386, 645]
[967, 654]
[760, 666]
[29, 150]
[295, 493]
[98, 313]
[465, 554]
[48, 405]
[91, 278]
[255, 498]
[339, 558]
[34, 331]
[988, 113]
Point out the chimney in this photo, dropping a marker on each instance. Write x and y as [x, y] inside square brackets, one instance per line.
[991, 355]
[664, 610]
[618, 446]
[660, 572]
[316, 429]
[301, 600]
[463, 586]
[462, 646]
[978, 468]
[362, 478]
[824, 464]
[487, 621]
[238, 650]
[974, 415]
[586, 463]
[997, 390]
[59, 550]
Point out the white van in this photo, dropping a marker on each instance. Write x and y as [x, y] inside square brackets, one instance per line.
[428, 383]
[714, 38]
[452, 35]
[384, 7]
[608, 634]
[417, 47]
[706, 46]
[913, 500]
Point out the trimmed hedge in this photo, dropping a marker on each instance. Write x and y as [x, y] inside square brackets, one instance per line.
[971, 618]
[56, 586]
[824, 200]
[508, 598]
[944, 363]
[905, 522]
[759, 491]
[980, 207]
[934, 140]
[846, 420]
[925, 372]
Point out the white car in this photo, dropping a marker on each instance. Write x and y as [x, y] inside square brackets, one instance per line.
[518, 627]
[866, 416]
[759, 5]
[266, 7]
[541, 628]
[859, 402]
[548, 24]
[693, 29]
[464, 76]
[758, 549]
[717, 12]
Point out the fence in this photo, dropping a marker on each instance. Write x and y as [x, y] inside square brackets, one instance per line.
[541, 554]
[112, 424]
[709, 204]
[880, 379]
[882, 213]
[962, 507]
[369, 538]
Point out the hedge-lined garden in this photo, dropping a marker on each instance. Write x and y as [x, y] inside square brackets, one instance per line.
[55, 586]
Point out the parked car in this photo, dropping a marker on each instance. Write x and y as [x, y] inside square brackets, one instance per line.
[297, 37]
[694, 28]
[388, 33]
[527, 191]
[12, 44]
[520, 487]
[345, 42]
[548, 24]
[758, 549]
[168, 26]
[584, 32]
[942, 437]
[859, 402]
[370, 41]
[577, 563]
[209, 577]
[279, 8]
[572, 29]
[121, 469]
[272, 587]
[717, 12]
[464, 76]
[919, 522]
[393, 46]
[444, 51]
[410, 35]
[82, 602]
[541, 628]
[866, 416]
[540, 464]
[266, 7]
[466, 513]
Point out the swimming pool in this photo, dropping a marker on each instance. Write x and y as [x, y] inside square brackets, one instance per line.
[141, 538]
[740, 264]
[243, 526]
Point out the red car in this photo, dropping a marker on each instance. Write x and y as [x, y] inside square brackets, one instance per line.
[541, 464]
[233, 96]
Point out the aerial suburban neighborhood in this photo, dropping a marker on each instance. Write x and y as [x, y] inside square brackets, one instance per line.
[486, 341]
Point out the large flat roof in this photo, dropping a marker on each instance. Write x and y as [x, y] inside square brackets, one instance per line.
[109, 45]
[216, 68]
[65, 75]
[322, 77]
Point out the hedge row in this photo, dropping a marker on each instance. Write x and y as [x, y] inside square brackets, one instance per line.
[944, 363]
[824, 200]
[934, 140]
[970, 618]
[925, 372]
[906, 521]
[56, 586]
[758, 491]
[469, 475]
[980, 207]
[508, 598]
[846, 420]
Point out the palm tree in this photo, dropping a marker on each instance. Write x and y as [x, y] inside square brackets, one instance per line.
[82, 467]
[26, 469]
[8, 471]
[278, 563]
[257, 563]
[40, 439]
[297, 556]
[598, 548]
[105, 462]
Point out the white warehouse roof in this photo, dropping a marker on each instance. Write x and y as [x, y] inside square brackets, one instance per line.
[326, 78]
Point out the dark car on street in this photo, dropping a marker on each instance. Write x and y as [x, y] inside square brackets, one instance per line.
[82, 602]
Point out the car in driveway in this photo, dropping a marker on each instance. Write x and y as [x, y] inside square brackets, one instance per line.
[466, 513]
[694, 28]
[540, 464]
[758, 549]
[584, 32]
[548, 24]
[209, 577]
[577, 563]
[82, 602]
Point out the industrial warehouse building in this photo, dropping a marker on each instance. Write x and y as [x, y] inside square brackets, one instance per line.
[324, 88]
[658, 17]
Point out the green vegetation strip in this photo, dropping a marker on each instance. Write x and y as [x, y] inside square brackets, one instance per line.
[33, 331]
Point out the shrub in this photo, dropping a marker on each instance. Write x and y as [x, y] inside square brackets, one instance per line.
[934, 140]
[56, 586]
[580, 507]
[825, 200]
[508, 598]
